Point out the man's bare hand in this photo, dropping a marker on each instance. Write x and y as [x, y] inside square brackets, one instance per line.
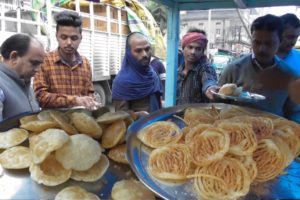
[209, 90]
[141, 114]
[87, 102]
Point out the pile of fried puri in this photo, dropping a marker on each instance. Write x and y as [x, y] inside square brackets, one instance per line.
[224, 151]
[57, 146]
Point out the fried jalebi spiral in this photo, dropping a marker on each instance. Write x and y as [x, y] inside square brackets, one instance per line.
[171, 162]
[242, 138]
[284, 148]
[233, 112]
[196, 131]
[248, 162]
[160, 134]
[194, 116]
[283, 122]
[212, 144]
[270, 159]
[223, 179]
[213, 111]
[287, 134]
[184, 131]
[267, 115]
[262, 126]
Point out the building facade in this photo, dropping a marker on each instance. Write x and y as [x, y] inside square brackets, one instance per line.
[226, 29]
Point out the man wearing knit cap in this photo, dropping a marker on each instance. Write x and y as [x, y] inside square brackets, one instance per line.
[196, 76]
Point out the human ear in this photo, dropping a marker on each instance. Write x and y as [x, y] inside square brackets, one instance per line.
[13, 56]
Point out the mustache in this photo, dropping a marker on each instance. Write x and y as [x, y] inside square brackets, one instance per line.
[146, 58]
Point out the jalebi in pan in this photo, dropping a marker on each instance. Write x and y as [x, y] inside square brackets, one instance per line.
[194, 116]
[262, 126]
[212, 144]
[171, 162]
[283, 122]
[160, 134]
[270, 159]
[242, 138]
[248, 162]
[287, 134]
[230, 112]
[223, 179]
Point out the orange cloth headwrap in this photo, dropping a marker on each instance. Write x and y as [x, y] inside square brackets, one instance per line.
[194, 37]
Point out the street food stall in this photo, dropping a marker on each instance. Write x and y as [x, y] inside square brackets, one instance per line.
[197, 151]
[241, 152]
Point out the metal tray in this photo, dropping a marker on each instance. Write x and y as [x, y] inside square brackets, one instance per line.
[17, 184]
[283, 187]
[243, 97]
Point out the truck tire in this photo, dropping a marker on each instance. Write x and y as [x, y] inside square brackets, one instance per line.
[99, 94]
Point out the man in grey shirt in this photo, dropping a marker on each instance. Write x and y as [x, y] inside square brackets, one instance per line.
[22, 57]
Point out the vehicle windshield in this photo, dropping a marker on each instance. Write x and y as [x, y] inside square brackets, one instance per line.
[219, 62]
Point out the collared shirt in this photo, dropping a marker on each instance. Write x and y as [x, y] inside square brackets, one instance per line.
[192, 86]
[258, 65]
[57, 84]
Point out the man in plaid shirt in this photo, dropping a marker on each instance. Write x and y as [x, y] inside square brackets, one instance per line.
[65, 78]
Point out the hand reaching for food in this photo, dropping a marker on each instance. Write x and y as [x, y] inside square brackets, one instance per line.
[210, 90]
[87, 102]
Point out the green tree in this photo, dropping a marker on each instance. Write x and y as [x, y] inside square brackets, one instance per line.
[159, 12]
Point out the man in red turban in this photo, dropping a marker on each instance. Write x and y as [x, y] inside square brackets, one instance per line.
[196, 76]
[194, 37]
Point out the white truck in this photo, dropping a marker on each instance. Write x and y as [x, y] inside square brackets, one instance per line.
[104, 34]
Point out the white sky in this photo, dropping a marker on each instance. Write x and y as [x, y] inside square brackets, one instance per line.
[281, 10]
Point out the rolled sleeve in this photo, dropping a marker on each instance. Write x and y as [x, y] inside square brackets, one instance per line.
[162, 76]
[207, 84]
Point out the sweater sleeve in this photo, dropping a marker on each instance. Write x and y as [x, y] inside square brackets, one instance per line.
[209, 77]
[2, 99]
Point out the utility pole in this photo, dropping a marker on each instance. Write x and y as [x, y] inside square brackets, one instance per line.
[209, 31]
[20, 3]
[223, 34]
[243, 22]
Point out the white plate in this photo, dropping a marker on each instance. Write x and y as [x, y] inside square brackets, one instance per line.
[243, 97]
